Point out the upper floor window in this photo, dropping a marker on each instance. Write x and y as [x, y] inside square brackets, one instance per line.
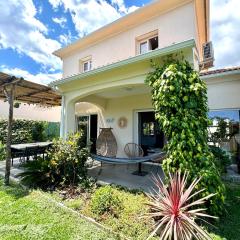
[147, 42]
[86, 64]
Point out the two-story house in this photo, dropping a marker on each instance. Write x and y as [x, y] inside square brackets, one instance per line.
[104, 72]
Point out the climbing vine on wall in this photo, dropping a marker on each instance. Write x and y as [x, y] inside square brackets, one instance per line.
[179, 97]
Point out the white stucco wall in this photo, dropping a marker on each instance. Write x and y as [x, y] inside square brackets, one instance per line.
[173, 26]
[223, 91]
[115, 108]
[31, 112]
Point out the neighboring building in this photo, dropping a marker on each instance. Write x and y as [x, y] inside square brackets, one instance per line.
[104, 72]
[31, 112]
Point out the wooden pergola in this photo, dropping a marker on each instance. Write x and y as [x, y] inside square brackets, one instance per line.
[17, 89]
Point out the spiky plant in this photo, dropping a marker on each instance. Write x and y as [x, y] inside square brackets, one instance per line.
[175, 209]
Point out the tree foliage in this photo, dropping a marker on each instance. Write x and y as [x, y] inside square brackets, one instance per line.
[179, 97]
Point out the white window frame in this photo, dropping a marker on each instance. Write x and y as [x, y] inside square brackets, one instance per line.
[139, 46]
[145, 38]
[88, 61]
[89, 65]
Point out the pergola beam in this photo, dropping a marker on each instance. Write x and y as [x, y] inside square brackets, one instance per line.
[4, 85]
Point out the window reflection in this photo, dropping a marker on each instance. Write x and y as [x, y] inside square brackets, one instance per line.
[224, 131]
[148, 129]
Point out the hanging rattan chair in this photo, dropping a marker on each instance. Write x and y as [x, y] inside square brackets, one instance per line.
[106, 144]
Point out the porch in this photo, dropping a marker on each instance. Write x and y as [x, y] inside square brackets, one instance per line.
[116, 174]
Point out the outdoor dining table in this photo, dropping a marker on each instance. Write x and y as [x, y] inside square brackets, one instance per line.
[23, 146]
[21, 149]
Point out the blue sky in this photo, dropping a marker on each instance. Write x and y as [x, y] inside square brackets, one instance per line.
[30, 30]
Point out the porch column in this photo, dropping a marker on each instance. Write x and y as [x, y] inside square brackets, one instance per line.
[69, 124]
[63, 116]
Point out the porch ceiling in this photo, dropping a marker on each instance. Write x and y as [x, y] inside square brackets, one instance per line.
[124, 92]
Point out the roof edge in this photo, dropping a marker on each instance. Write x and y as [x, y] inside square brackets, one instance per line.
[150, 6]
[220, 73]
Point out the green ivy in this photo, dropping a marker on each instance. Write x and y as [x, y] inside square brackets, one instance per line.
[179, 97]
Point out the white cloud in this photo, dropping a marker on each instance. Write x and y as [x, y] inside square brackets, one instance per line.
[89, 15]
[225, 32]
[61, 21]
[21, 31]
[66, 38]
[42, 78]
[120, 5]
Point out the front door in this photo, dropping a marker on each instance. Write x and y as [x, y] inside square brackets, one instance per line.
[150, 135]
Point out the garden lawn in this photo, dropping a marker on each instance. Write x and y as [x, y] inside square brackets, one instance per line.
[29, 215]
[130, 222]
[228, 226]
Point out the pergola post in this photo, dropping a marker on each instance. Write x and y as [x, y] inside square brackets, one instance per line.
[9, 92]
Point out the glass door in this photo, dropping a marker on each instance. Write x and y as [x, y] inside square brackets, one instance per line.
[151, 137]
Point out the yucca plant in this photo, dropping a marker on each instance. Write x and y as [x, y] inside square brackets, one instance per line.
[175, 209]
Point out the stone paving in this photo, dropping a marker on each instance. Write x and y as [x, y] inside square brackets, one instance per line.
[108, 174]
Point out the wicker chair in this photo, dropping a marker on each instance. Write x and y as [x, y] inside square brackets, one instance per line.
[106, 144]
[133, 150]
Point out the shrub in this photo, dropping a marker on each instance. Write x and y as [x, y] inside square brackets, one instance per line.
[37, 173]
[64, 165]
[180, 100]
[38, 134]
[222, 159]
[105, 200]
[175, 211]
[2, 151]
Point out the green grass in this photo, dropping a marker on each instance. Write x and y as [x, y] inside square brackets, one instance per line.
[228, 226]
[29, 215]
[130, 223]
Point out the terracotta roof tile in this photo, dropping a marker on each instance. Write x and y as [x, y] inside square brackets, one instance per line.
[221, 70]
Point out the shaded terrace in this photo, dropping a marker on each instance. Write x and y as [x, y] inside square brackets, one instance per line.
[17, 89]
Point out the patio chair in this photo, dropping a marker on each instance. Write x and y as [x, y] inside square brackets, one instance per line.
[133, 150]
[17, 154]
[31, 152]
[40, 151]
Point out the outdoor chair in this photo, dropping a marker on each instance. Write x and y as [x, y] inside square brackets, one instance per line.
[40, 151]
[17, 154]
[31, 152]
[133, 150]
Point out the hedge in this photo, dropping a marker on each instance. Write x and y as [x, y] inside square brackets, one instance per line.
[29, 131]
